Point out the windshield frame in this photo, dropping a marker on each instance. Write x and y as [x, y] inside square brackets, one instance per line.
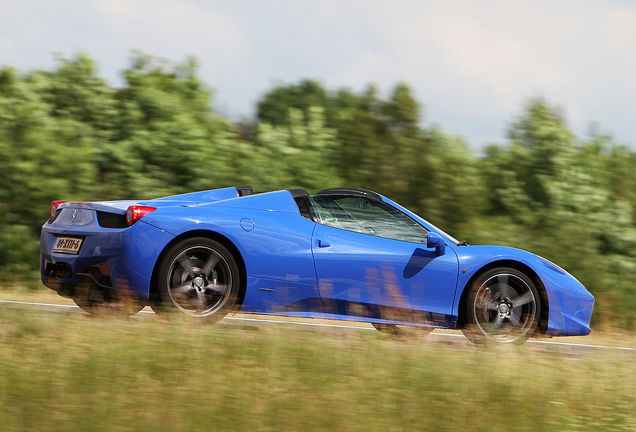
[423, 222]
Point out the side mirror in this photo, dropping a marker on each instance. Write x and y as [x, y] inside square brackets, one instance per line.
[434, 240]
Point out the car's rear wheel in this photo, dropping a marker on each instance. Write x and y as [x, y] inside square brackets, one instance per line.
[199, 278]
[503, 307]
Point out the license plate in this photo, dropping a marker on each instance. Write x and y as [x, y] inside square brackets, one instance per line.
[69, 245]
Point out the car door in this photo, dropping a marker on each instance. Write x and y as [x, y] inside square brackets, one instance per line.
[371, 258]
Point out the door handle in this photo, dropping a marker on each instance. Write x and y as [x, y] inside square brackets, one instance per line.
[323, 244]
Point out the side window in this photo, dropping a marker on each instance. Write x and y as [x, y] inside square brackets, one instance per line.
[367, 216]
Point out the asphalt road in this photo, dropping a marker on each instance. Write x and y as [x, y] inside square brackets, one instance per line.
[439, 335]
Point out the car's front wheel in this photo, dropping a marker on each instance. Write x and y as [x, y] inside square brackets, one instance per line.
[503, 307]
[198, 277]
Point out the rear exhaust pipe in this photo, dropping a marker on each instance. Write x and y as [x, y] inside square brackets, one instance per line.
[62, 270]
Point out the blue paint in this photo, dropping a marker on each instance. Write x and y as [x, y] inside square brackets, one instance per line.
[296, 266]
[418, 261]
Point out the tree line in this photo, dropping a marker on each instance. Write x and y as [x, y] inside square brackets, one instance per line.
[65, 134]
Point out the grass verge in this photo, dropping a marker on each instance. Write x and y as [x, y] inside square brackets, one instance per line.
[73, 372]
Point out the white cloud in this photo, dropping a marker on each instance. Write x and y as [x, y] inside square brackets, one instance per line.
[620, 23]
[367, 67]
[109, 29]
[481, 61]
[473, 64]
[454, 49]
[174, 28]
[5, 46]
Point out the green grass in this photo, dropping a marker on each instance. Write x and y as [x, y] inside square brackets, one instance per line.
[71, 372]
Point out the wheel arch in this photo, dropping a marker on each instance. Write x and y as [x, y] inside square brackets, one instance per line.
[529, 272]
[212, 235]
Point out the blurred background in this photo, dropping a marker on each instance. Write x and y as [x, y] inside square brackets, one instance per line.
[501, 123]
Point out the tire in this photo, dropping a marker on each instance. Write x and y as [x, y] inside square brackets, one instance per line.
[503, 308]
[199, 278]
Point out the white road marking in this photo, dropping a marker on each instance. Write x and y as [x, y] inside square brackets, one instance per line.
[579, 345]
[271, 321]
[38, 304]
[299, 323]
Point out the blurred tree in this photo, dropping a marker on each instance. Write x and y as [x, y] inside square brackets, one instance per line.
[381, 146]
[448, 185]
[168, 141]
[75, 93]
[299, 153]
[559, 194]
[380, 140]
[46, 151]
[621, 169]
[274, 107]
[66, 135]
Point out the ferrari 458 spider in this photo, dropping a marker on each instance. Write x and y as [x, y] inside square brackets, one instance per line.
[343, 253]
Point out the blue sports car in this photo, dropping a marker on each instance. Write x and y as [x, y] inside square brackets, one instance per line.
[342, 253]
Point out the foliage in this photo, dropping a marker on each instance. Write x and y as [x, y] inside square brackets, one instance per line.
[558, 193]
[65, 134]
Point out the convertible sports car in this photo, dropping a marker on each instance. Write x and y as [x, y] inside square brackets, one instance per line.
[342, 253]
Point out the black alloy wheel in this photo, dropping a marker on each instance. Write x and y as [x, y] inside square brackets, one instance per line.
[198, 277]
[503, 307]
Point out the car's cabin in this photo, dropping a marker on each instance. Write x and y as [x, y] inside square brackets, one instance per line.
[358, 210]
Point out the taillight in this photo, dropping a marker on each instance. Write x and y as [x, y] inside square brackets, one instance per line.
[53, 208]
[134, 213]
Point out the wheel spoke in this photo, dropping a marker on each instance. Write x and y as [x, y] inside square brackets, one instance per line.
[221, 289]
[182, 289]
[186, 264]
[497, 323]
[485, 316]
[201, 300]
[502, 279]
[490, 305]
[523, 299]
[210, 264]
[514, 319]
[504, 290]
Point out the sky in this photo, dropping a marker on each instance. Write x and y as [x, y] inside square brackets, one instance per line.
[473, 65]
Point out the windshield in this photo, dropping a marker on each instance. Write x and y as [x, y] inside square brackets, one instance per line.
[442, 232]
[368, 215]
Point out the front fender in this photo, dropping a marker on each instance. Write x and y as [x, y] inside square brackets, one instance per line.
[569, 303]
